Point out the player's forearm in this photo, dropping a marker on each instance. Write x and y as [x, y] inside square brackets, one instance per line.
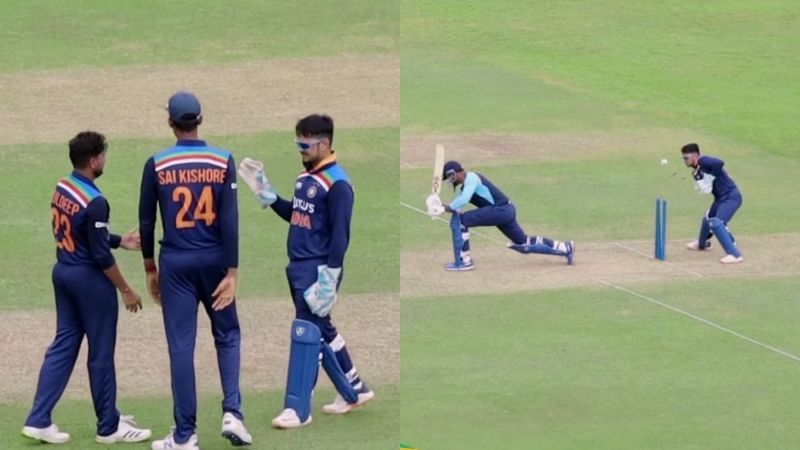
[283, 208]
[113, 273]
[230, 245]
[148, 203]
[340, 207]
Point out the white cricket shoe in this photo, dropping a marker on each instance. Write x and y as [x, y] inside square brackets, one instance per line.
[288, 419]
[695, 245]
[126, 432]
[50, 435]
[340, 405]
[168, 443]
[730, 259]
[233, 430]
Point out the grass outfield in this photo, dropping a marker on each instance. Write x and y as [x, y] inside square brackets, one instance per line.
[580, 101]
[361, 430]
[599, 368]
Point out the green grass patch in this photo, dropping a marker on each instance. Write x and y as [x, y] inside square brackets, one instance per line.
[41, 34]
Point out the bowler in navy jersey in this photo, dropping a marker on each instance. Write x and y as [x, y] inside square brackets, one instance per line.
[193, 186]
[85, 279]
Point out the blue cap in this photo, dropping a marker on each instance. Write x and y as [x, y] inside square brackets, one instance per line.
[451, 166]
[184, 107]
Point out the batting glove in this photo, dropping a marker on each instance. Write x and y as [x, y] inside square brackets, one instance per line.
[321, 296]
[435, 207]
[252, 172]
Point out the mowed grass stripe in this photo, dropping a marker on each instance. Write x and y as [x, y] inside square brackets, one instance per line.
[357, 91]
[371, 264]
[39, 34]
[705, 76]
[585, 368]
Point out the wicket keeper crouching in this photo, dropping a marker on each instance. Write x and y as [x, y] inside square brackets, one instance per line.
[493, 209]
[319, 216]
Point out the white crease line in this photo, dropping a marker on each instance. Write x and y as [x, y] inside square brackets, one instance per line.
[477, 233]
[705, 321]
[625, 247]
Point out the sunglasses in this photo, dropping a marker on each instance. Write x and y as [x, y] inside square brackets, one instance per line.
[450, 175]
[305, 146]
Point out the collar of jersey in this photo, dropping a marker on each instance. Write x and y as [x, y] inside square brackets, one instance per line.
[83, 179]
[190, 143]
[327, 161]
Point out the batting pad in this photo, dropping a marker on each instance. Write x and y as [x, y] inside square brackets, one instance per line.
[724, 236]
[303, 368]
[337, 375]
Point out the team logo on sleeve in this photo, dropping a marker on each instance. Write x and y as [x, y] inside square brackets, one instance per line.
[101, 224]
[311, 192]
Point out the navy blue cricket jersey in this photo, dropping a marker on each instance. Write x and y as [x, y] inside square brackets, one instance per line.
[319, 214]
[194, 186]
[723, 184]
[80, 216]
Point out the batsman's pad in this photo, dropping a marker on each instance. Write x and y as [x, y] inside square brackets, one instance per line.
[337, 375]
[460, 233]
[535, 248]
[724, 236]
[303, 368]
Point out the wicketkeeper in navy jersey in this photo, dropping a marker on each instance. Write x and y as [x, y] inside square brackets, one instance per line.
[194, 187]
[319, 217]
[85, 279]
[493, 209]
[711, 178]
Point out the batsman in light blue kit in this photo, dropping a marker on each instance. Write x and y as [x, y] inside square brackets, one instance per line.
[85, 280]
[711, 178]
[319, 216]
[493, 208]
[193, 185]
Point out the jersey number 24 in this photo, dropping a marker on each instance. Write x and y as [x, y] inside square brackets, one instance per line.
[203, 210]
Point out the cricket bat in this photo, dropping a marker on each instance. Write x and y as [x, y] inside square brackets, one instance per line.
[438, 167]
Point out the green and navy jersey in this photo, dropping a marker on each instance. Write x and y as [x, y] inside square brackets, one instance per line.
[79, 215]
[319, 214]
[194, 186]
[479, 191]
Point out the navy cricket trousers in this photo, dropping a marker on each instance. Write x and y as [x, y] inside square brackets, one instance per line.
[86, 304]
[188, 279]
[504, 217]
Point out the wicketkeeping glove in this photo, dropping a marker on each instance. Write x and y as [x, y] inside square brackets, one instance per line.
[252, 172]
[434, 204]
[321, 296]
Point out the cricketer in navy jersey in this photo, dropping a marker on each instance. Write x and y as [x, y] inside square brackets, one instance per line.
[493, 208]
[193, 186]
[319, 216]
[85, 280]
[711, 178]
